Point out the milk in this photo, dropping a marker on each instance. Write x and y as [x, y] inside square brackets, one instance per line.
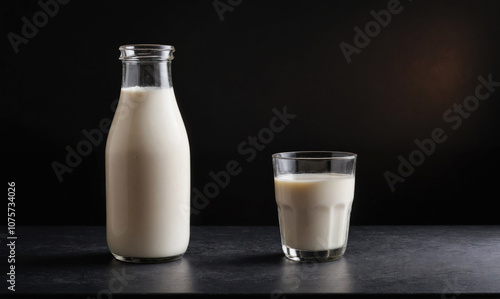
[147, 176]
[314, 209]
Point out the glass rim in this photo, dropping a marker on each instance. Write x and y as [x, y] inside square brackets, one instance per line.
[334, 155]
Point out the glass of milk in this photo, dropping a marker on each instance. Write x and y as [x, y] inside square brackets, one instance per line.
[314, 194]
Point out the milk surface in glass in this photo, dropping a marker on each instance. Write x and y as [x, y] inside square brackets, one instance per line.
[314, 209]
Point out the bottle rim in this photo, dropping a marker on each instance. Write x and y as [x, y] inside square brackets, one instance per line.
[141, 52]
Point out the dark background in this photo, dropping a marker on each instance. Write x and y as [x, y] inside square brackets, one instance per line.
[228, 76]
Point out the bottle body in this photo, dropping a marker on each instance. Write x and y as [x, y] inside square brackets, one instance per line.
[147, 177]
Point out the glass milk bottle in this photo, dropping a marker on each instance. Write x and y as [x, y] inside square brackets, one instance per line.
[147, 162]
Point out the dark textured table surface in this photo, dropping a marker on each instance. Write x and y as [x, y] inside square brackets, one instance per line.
[400, 261]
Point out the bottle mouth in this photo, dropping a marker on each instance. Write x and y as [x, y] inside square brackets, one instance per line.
[146, 52]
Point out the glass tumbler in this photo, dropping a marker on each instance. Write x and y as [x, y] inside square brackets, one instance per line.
[314, 194]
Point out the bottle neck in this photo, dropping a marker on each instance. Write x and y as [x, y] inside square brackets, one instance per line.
[150, 73]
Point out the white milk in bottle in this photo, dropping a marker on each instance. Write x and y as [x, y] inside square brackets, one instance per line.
[147, 162]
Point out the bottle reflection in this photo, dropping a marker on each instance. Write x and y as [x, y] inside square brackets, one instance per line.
[125, 278]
